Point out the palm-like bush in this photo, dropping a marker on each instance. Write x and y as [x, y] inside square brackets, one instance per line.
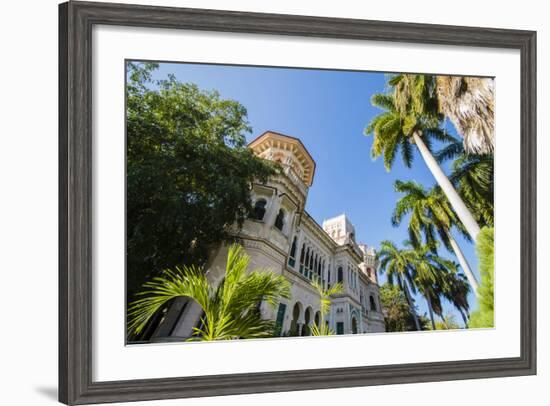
[324, 294]
[231, 308]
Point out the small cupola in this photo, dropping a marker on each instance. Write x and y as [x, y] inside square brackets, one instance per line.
[287, 151]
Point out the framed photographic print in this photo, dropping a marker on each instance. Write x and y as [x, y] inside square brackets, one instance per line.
[260, 202]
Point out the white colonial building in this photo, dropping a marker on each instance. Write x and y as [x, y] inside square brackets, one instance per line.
[282, 237]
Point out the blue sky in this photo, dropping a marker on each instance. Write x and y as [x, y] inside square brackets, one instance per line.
[328, 111]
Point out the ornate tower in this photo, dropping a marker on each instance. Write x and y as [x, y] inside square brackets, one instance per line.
[289, 152]
[340, 229]
[280, 202]
[369, 265]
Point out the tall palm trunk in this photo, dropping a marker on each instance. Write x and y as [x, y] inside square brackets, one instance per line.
[431, 310]
[464, 318]
[463, 263]
[405, 289]
[458, 205]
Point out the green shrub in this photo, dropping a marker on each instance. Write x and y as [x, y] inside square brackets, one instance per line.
[485, 246]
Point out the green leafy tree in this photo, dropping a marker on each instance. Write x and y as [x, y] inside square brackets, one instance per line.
[396, 263]
[231, 308]
[410, 117]
[484, 315]
[429, 214]
[189, 173]
[324, 297]
[398, 315]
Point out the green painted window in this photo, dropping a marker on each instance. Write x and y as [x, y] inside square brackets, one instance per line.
[280, 318]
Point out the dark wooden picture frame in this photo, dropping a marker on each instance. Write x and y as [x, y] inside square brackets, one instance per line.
[76, 20]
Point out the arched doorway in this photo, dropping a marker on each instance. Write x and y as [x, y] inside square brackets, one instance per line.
[294, 324]
[318, 319]
[308, 317]
[353, 325]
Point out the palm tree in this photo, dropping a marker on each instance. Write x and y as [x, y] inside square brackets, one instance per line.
[324, 296]
[432, 275]
[231, 309]
[456, 291]
[430, 212]
[397, 265]
[469, 104]
[427, 279]
[473, 177]
[407, 120]
[467, 101]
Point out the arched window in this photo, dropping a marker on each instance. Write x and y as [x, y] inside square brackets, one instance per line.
[296, 310]
[259, 209]
[280, 220]
[292, 256]
[372, 303]
[293, 248]
[302, 255]
[315, 263]
[340, 274]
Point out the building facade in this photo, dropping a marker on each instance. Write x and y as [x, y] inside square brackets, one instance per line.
[282, 237]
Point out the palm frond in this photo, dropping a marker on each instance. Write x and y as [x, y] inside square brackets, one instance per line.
[231, 308]
[452, 150]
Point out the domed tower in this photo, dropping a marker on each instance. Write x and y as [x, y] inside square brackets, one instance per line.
[280, 202]
[289, 152]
